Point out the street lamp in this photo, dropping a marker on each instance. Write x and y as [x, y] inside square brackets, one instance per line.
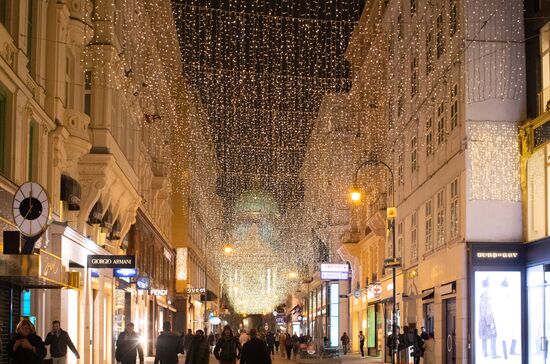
[227, 248]
[355, 195]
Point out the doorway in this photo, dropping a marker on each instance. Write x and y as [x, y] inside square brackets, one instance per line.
[538, 295]
[449, 341]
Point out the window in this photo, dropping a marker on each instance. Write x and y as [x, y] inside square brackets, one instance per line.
[30, 34]
[399, 245]
[429, 226]
[3, 11]
[414, 237]
[454, 107]
[455, 213]
[441, 124]
[68, 83]
[400, 101]
[88, 93]
[429, 137]
[400, 26]
[3, 133]
[414, 7]
[429, 53]
[440, 46]
[414, 76]
[414, 160]
[400, 168]
[440, 228]
[453, 10]
[33, 151]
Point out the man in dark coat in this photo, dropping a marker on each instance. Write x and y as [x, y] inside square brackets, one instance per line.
[26, 347]
[228, 348]
[270, 340]
[200, 350]
[187, 340]
[128, 346]
[58, 340]
[255, 351]
[168, 346]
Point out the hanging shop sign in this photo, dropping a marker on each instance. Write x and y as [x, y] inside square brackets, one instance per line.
[332, 272]
[374, 291]
[143, 283]
[111, 261]
[191, 290]
[158, 292]
[125, 272]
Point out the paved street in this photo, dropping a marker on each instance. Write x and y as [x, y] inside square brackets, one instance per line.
[349, 359]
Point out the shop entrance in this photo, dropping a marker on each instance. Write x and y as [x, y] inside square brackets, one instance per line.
[538, 291]
[450, 331]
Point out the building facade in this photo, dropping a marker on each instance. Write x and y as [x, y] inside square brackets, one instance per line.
[85, 101]
[442, 113]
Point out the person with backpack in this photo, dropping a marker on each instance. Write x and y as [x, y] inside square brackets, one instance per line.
[228, 348]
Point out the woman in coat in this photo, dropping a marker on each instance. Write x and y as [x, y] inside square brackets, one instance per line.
[26, 347]
[429, 350]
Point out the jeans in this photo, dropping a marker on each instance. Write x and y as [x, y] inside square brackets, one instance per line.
[362, 346]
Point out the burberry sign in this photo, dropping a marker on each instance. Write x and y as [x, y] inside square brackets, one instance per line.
[111, 261]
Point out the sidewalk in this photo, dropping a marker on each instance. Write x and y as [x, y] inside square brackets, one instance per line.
[348, 359]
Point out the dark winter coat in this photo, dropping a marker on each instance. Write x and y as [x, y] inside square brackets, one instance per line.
[199, 352]
[26, 356]
[59, 343]
[228, 349]
[255, 352]
[128, 347]
[168, 347]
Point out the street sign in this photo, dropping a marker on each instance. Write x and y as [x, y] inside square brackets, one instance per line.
[392, 263]
[111, 261]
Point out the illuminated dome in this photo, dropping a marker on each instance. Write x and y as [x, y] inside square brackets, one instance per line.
[256, 203]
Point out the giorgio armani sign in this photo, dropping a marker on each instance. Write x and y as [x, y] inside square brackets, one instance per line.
[111, 261]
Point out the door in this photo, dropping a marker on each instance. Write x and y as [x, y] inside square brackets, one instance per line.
[450, 331]
[538, 296]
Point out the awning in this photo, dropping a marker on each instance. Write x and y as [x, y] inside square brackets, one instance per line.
[42, 270]
[424, 295]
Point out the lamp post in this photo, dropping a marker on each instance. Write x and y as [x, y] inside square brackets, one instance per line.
[355, 195]
[227, 248]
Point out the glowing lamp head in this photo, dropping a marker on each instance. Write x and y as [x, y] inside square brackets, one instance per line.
[293, 275]
[228, 249]
[355, 194]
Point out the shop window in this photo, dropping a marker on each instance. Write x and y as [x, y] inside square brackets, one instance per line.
[414, 237]
[429, 226]
[455, 213]
[26, 303]
[440, 228]
[334, 314]
[33, 151]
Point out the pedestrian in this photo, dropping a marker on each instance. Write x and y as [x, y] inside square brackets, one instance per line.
[270, 340]
[282, 340]
[362, 343]
[169, 345]
[211, 341]
[390, 341]
[26, 347]
[187, 340]
[277, 338]
[128, 346]
[326, 342]
[418, 347]
[288, 345]
[345, 342]
[199, 351]
[243, 338]
[429, 350]
[255, 351]
[228, 347]
[295, 344]
[424, 335]
[58, 340]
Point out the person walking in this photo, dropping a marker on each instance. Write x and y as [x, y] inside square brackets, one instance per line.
[228, 348]
[282, 340]
[277, 342]
[58, 340]
[243, 338]
[295, 345]
[25, 347]
[288, 345]
[362, 343]
[270, 341]
[211, 341]
[429, 350]
[255, 351]
[345, 342]
[418, 347]
[128, 346]
[199, 352]
[187, 340]
[169, 346]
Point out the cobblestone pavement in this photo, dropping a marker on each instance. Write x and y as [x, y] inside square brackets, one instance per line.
[348, 359]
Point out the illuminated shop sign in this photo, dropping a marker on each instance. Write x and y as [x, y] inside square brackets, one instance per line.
[143, 282]
[111, 261]
[502, 254]
[125, 272]
[190, 290]
[158, 292]
[334, 271]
